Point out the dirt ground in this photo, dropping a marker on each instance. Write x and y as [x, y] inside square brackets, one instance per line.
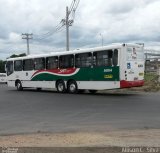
[123, 138]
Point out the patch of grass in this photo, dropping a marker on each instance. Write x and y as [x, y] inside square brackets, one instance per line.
[151, 82]
[149, 76]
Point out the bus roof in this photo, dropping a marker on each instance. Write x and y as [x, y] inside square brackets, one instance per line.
[76, 51]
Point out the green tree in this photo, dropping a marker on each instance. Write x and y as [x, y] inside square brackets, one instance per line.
[20, 55]
[2, 66]
[2, 63]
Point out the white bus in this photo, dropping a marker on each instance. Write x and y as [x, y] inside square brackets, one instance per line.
[3, 78]
[110, 67]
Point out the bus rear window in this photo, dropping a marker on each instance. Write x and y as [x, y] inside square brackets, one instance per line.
[134, 54]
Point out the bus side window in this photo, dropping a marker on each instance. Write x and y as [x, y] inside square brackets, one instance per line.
[52, 62]
[110, 58]
[115, 57]
[103, 58]
[66, 61]
[9, 67]
[83, 60]
[28, 65]
[18, 66]
[39, 63]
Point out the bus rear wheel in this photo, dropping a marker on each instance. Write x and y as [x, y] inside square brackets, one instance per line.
[72, 87]
[19, 86]
[60, 85]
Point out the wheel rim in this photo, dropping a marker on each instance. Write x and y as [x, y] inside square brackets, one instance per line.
[18, 85]
[60, 87]
[72, 87]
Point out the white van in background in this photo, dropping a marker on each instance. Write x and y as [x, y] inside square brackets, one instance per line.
[3, 78]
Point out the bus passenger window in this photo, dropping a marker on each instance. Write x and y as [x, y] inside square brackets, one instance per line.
[28, 65]
[83, 60]
[66, 61]
[103, 58]
[39, 63]
[18, 66]
[9, 67]
[115, 57]
[52, 63]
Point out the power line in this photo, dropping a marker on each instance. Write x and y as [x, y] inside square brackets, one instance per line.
[49, 32]
[68, 21]
[42, 37]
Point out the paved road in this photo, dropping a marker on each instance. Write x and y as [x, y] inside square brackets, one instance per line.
[47, 111]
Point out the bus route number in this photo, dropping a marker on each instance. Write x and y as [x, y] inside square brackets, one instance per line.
[107, 70]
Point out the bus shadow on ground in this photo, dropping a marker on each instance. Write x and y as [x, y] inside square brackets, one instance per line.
[99, 93]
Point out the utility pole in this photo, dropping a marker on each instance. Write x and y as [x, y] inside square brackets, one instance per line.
[27, 36]
[69, 19]
[67, 29]
[68, 23]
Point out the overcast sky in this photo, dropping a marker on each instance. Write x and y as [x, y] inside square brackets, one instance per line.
[117, 20]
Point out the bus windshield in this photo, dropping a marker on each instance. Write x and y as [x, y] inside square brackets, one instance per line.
[135, 54]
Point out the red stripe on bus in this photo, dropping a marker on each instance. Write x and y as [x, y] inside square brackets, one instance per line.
[57, 71]
[128, 84]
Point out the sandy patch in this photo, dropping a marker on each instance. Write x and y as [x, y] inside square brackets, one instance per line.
[115, 138]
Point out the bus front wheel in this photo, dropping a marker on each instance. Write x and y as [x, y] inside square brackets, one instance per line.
[60, 85]
[19, 86]
[72, 87]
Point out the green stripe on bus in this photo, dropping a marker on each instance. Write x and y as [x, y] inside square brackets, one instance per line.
[84, 74]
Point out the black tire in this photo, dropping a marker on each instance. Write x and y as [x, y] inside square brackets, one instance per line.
[60, 85]
[19, 86]
[72, 87]
[93, 91]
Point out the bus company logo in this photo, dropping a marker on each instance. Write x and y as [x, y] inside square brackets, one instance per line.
[107, 70]
[65, 71]
[69, 71]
